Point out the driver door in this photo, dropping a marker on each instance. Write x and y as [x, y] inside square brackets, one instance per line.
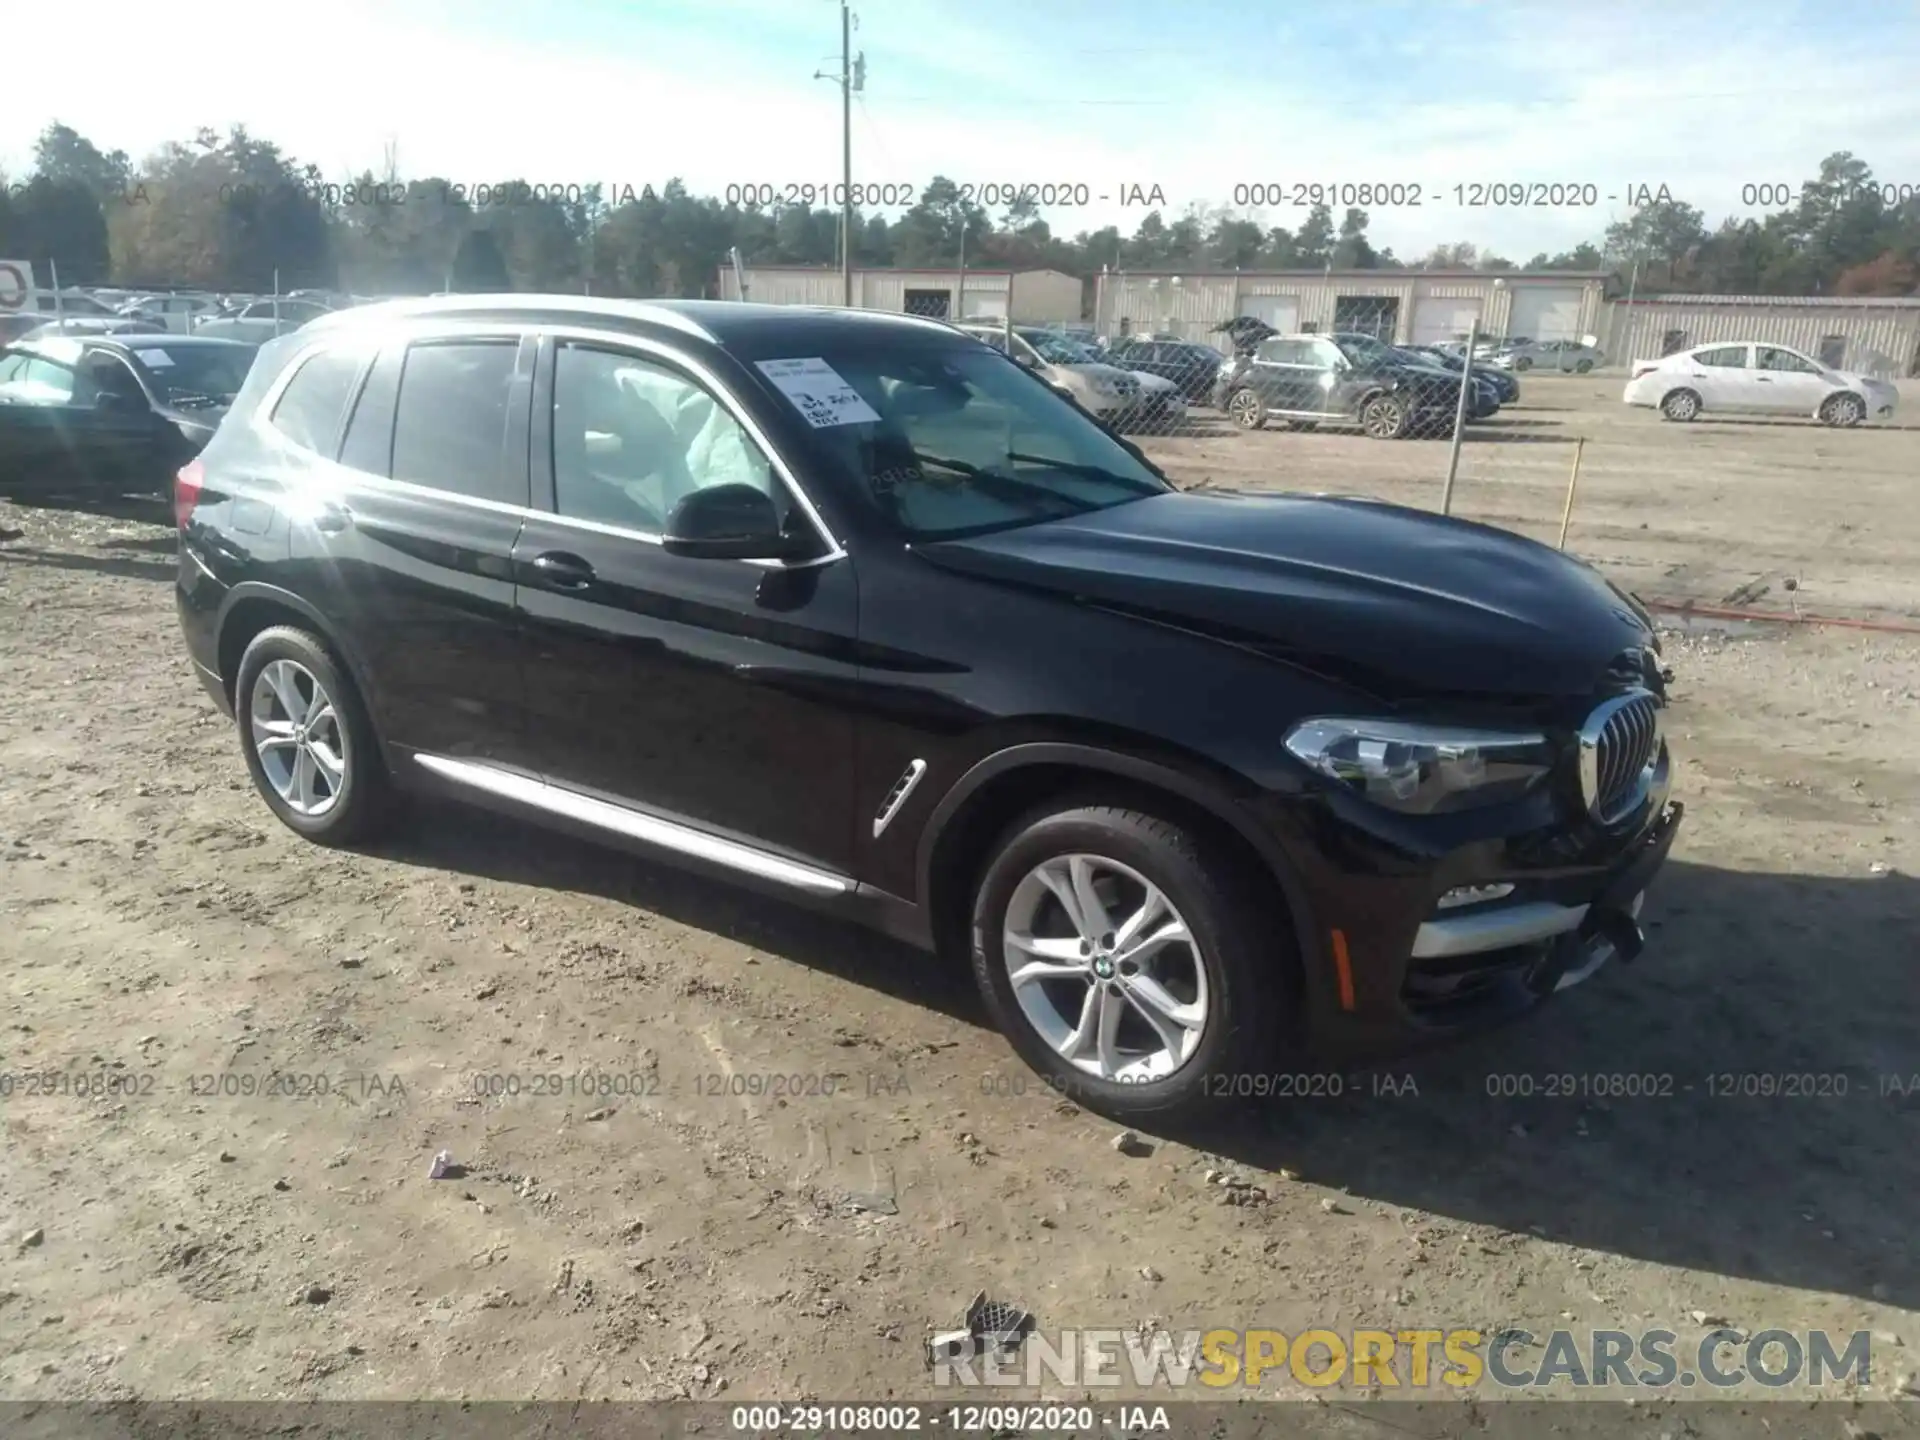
[701, 691]
[55, 436]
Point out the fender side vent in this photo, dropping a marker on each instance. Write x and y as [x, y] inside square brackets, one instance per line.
[896, 797]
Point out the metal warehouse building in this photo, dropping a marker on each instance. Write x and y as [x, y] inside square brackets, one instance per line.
[1034, 297]
[1407, 307]
[1878, 336]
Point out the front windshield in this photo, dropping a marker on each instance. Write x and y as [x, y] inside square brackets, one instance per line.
[196, 375]
[964, 442]
[1061, 349]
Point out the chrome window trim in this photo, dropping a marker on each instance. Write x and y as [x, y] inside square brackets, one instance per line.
[413, 328]
[728, 401]
[635, 824]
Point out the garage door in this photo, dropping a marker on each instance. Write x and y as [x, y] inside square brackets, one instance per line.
[1545, 312]
[1435, 321]
[1280, 311]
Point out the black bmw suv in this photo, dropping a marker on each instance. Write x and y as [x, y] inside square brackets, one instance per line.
[1309, 380]
[854, 609]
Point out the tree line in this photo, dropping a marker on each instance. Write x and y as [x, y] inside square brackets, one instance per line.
[233, 212]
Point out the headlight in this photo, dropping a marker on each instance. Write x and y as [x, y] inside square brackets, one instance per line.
[1422, 769]
[1105, 387]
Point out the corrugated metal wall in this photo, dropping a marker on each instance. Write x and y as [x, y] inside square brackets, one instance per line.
[1640, 330]
[1037, 296]
[1190, 309]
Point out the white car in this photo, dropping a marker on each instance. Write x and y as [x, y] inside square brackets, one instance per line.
[1757, 380]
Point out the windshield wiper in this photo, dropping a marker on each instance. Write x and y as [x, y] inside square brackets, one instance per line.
[1091, 472]
[994, 482]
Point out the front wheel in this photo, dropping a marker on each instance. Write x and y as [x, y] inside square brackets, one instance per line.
[1843, 410]
[1522, 363]
[1246, 409]
[1385, 417]
[1127, 963]
[1581, 367]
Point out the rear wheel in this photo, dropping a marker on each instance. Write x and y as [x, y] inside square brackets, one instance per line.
[1582, 366]
[309, 744]
[1129, 963]
[1246, 409]
[1680, 405]
[1843, 410]
[1385, 417]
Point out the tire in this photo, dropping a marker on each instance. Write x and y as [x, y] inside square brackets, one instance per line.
[1680, 405]
[340, 807]
[1303, 424]
[1242, 996]
[1522, 363]
[1843, 410]
[1247, 409]
[1385, 417]
[1581, 367]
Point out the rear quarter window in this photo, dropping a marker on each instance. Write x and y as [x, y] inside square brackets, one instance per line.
[310, 409]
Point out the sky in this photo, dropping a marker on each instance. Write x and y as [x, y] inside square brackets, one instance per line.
[1711, 99]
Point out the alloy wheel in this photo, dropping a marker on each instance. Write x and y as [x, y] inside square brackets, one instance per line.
[296, 729]
[1105, 969]
[1382, 419]
[1681, 406]
[1244, 407]
[1844, 410]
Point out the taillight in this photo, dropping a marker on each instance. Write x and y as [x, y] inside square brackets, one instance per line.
[186, 491]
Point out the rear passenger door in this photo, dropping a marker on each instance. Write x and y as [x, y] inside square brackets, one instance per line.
[413, 506]
[1724, 377]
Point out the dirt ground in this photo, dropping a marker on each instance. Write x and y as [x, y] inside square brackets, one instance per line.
[288, 1036]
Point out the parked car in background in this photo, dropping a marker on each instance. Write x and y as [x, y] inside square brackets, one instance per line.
[1340, 379]
[18, 324]
[1505, 388]
[112, 414]
[840, 606]
[1574, 357]
[72, 304]
[177, 313]
[1103, 391]
[93, 325]
[1757, 380]
[1485, 401]
[1192, 367]
[259, 321]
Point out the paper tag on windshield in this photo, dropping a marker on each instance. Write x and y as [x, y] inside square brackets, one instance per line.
[155, 358]
[818, 392]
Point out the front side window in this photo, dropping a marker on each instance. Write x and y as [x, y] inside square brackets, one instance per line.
[966, 443]
[631, 439]
[1771, 357]
[1725, 357]
[450, 423]
[310, 408]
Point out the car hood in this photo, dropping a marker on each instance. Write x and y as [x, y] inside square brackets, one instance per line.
[1152, 382]
[1402, 603]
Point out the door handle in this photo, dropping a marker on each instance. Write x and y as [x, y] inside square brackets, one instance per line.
[563, 570]
[332, 518]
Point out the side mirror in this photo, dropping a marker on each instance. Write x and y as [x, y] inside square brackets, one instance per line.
[729, 522]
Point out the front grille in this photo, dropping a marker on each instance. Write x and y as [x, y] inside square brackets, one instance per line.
[1619, 741]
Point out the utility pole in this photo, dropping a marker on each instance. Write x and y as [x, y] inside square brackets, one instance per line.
[852, 78]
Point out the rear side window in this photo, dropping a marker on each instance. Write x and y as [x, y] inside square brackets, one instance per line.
[310, 409]
[450, 428]
[1727, 357]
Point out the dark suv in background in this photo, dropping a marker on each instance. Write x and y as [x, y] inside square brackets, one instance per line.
[1341, 378]
[854, 609]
